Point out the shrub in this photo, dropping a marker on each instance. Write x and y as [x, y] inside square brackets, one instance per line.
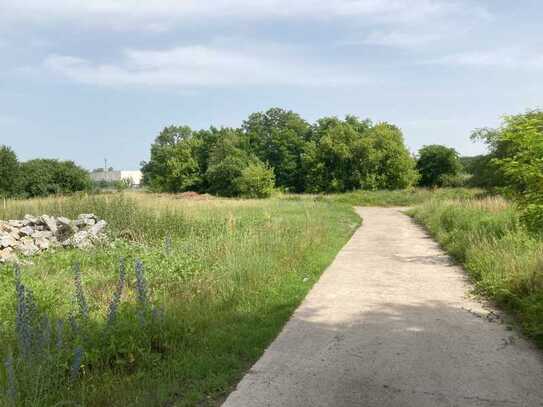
[435, 163]
[516, 151]
[256, 181]
[42, 177]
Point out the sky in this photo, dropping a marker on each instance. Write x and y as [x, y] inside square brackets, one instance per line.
[88, 80]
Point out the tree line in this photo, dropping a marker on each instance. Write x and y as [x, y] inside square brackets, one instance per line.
[39, 177]
[279, 149]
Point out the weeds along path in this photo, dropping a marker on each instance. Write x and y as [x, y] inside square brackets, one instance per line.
[390, 323]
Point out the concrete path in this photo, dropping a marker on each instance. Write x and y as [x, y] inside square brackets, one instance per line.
[390, 324]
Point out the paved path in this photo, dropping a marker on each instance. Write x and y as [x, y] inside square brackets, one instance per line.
[390, 324]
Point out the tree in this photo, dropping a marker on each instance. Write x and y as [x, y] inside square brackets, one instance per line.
[173, 166]
[227, 161]
[350, 154]
[518, 150]
[277, 138]
[435, 162]
[42, 177]
[256, 181]
[9, 172]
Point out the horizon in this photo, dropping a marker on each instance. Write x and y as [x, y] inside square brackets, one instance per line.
[87, 81]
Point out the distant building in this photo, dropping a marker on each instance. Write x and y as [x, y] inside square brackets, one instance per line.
[112, 176]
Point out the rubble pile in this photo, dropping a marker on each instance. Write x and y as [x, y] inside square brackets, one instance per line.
[35, 234]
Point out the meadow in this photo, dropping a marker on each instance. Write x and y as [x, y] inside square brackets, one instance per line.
[220, 278]
[189, 292]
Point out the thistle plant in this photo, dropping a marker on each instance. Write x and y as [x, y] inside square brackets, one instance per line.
[79, 293]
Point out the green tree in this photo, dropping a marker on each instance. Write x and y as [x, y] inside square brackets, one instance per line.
[518, 147]
[351, 154]
[256, 181]
[42, 177]
[227, 160]
[9, 172]
[435, 162]
[173, 166]
[277, 137]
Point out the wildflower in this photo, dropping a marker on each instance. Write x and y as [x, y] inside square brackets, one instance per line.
[115, 301]
[79, 293]
[10, 376]
[60, 335]
[76, 363]
[141, 286]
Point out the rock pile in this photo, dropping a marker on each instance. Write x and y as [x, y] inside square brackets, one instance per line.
[35, 234]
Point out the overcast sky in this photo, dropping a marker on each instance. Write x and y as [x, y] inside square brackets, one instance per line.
[88, 80]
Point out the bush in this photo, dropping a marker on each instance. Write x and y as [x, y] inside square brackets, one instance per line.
[256, 181]
[42, 177]
[435, 163]
[517, 154]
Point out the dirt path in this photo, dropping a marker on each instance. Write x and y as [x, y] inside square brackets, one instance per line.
[390, 324]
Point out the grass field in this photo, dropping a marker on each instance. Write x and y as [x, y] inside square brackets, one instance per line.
[225, 275]
[502, 258]
[222, 277]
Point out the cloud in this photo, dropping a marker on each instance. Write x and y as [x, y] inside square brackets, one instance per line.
[505, 58]
[157, 14]
[197, 66]
[400, 39]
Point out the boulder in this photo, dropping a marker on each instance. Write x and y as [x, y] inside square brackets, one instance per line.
[42, 234]
[50, 223]
[80, 240]
[26, 230]
[42, 243]
[98, 228]
[26, 246]
[16, 223]
[7, 255]
[7, 241]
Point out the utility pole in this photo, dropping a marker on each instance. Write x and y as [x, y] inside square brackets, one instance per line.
[105, 165]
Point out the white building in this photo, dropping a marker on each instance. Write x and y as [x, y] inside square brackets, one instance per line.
[112, 176]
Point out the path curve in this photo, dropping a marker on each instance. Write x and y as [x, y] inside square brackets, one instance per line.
[390, 323]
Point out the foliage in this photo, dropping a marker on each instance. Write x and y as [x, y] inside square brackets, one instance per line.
[517, 154]
[277, 137]
[435, 163]
[256, 181]
[173, 166]
[51, 354]
[482, 171]
[9, 172]
[331, 156]
[42, 177]
[227, 274]
[502, 258]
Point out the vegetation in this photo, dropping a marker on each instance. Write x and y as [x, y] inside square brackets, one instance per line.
[332, 155]
[500, 255]
[517, 154]
[223, 275]
[40, 177]
[438, 166]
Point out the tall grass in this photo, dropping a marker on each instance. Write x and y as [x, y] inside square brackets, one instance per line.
[503, 259]
[221, 276]
[405, 198]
